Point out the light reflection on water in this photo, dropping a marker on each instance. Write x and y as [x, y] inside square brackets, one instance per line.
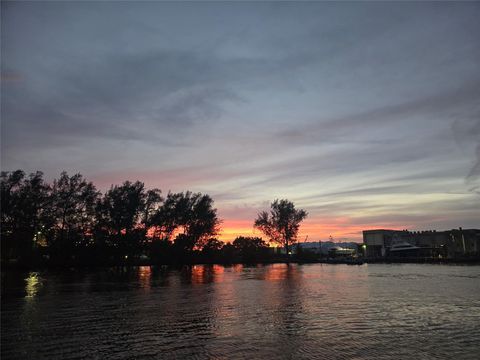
[274, 311]
[32, 285]
[144, 276]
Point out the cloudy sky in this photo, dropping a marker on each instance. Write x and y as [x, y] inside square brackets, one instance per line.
[366, 115]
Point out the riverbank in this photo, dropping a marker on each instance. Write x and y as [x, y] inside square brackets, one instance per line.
[353, 261]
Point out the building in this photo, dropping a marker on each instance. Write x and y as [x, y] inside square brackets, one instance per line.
[341, 252]
[325, 247]
[449, 244]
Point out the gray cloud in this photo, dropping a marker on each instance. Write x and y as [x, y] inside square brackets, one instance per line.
[467, 130]
[106, 99]
[437, 105]
[475, 171]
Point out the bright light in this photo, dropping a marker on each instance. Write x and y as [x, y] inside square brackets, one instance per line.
[33, 284]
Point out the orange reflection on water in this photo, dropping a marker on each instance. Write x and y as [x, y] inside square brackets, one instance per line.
[238, 268]
[204, 274]
[277, 272]
[144, 276]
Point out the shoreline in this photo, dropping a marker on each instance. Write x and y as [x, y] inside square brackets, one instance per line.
[6, 267]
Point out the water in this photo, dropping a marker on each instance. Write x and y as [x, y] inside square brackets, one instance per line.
[214, 312]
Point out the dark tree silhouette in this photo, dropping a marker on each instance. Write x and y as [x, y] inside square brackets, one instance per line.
[124, 206]
[189, 214]
[202, 221]
[250, 249]
[212, 250]
[167, 218]
[71, 223]
[213, 245]
[281, 224]
[72, 215]
[23, 203]
[191, 218]
[125, 209]
[152, 202]
[229, 254]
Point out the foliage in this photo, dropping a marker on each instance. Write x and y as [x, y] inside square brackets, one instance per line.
[250, 249]
[23, 202]
[213, 246]
[282, 223]
[189, 214]
[212, 250]
[71, 214]
[123, 205]
[70, 222]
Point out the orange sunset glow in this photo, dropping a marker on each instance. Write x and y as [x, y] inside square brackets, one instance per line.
[340, 229]
[361, 129]
[238, 179]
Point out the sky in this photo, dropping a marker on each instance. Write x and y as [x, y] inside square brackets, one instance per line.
[366, 115]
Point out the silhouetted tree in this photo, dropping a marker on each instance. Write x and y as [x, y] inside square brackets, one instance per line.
[124, 205]
[211, 250]
[192, 215]
[73, 223]
[183, 247]
[167, 218]
[281, 224]
[23, 203]
[160, 251]
[213, 245]
[73, 214]
[151, 205]
[189, 216]
[12, 241]
[250, 249]
[202, 221]
[123, 210]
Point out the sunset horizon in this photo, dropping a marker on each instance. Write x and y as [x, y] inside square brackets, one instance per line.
[238, 220]
[343, 112]
[240, 179]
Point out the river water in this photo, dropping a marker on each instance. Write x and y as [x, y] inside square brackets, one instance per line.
[317, 311]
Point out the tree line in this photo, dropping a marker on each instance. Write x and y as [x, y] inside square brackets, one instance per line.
[70, 222]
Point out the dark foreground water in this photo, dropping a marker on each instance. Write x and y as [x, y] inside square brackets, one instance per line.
[275, 311]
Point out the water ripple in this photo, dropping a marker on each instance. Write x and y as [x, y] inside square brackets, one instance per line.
[212, 312]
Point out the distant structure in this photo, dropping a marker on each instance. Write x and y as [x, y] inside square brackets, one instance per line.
[327, 247]
[396, 244]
